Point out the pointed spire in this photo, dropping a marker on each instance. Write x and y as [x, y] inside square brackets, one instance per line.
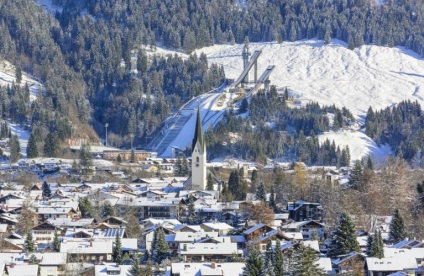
[198, 133]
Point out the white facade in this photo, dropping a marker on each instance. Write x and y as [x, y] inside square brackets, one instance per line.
[198, 168]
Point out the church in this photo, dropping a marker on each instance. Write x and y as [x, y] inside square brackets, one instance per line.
[198, 179]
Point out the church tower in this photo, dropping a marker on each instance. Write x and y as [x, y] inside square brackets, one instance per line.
[198, 157]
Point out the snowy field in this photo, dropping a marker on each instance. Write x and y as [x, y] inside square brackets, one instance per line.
[8, 75]
[332, 74]
[360, 145]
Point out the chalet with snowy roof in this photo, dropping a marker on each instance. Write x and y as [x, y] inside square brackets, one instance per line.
[302, 210]
[349, 263]
[307, 228]
[209, 252]
[261, 233]
[44, 232]
[219, 227]
[117, 221]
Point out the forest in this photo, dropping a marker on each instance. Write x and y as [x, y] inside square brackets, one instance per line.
[277, 129]
[85, 55]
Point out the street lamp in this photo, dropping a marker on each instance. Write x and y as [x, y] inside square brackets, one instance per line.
[106, 125]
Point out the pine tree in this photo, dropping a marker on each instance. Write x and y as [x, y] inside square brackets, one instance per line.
[119, 159]
[279, 259]
[33, 260]
[370, 245]
[32, 151]
[234, 184]
[51, 145]
[356, 176]
[152, 247]
[107, 210]
[377, 249]
[18, 74]
[29, 242]
[47, 192]
[161, 250]
[135, 268]
[178, 167]
[370, 164]
[269, 254]
[184, 166]
[56, 242]
[141, 62]
[305, 265]
[132, 156]
[254, 264]
[397, 230]
[254, 177]
[15, 149]
[260, 192]
[191, 215]
[117, 250]
[85, 207]
[209, 185]
[272, 203]
[146, 256]
[86, 160]
[344, 237]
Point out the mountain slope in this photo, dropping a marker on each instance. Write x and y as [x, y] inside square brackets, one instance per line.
[332, 74]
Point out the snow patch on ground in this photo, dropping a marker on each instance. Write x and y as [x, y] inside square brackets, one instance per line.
[360, 145]
[8, 75]
[23, 136]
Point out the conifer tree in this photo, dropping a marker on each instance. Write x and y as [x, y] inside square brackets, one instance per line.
[344, 237]
[33, 260]
[15, 150]
[161, 250]
[51, 145]
[107, 210]
[254, 177]
[191, 214]
[397, 230]
[56, 242]
[153, 246]
[47, 192]
[356, 176]
[117, 250]
[377, 246]
[85, 207]
[254, 264]
[234, 184]
[135, 268]
[18, 74]
[305, 265]
[370, 245]
[146, 256]
[269, 256]
[209, 184]
[260, 192]
[32, 151]
[119, 159]
[86, 160]
[184, 166]
[279, 259]
[29, 242]
[178, 167]
[272, 203]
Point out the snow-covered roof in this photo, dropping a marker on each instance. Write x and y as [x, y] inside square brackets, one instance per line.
[217, 225]
[23, 270]
[190, 269]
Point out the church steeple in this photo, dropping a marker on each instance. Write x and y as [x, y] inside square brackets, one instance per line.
[198, 133]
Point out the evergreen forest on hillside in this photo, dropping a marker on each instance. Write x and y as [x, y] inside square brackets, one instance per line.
[84, 55]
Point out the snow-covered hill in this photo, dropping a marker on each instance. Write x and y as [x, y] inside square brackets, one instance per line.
[332, 74]
[8, 75]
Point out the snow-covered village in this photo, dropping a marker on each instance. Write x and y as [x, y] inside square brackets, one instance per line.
[211, 138]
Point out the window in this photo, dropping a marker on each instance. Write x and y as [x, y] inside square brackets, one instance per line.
[197, 159]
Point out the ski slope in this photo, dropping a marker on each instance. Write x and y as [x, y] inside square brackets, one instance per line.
[332, 74]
